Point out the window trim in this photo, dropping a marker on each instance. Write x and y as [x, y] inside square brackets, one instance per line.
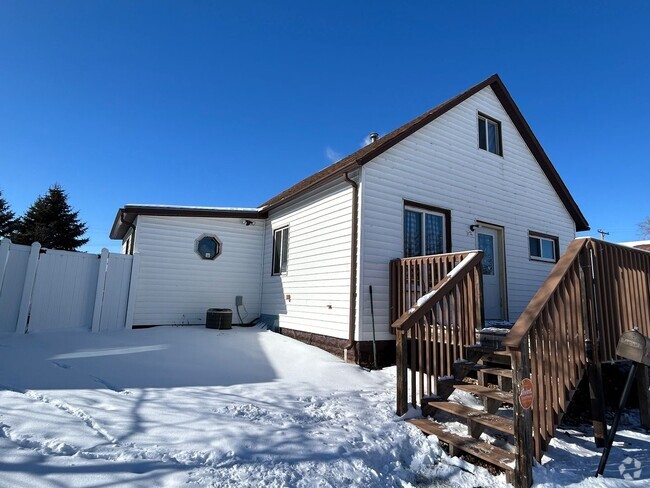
[544, 237]
[275, 232]
[446, 214]
[481, 115]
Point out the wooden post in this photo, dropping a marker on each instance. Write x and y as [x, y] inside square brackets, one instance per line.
[523, 418]
[402, 379]
[99, 294]
[643, 391]
[28, 288]
[594, 373]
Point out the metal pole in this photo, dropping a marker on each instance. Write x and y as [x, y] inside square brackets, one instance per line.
[372, 314]
[612, 431]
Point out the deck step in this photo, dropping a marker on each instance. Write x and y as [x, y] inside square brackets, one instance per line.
[506, 373]
[483, 391]
[482, 450]
[487, 350]
[468, 365]
[481, 417]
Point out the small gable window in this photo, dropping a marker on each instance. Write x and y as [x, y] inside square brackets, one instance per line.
[489, 134]
[280, 250]
[543, 247]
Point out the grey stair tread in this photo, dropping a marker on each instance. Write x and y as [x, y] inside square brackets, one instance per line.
[506, 373]
[487, 350]
[482, 450]
[479, 416]
[484, 391]
[464, 363]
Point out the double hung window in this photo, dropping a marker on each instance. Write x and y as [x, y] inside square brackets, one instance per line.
[489, 134]
[280, 250]
[425, 231]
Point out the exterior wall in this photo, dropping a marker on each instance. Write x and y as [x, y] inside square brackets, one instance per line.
[176, 286]
[441, 165]
[318, 275]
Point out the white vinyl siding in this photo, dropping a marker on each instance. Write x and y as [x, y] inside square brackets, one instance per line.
[313, 295]
[175, 286]
[441, 165]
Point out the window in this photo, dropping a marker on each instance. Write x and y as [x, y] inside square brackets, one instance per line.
[426, 230]
[280, 250]
[543, 247]
[489, 134]
[207, 246]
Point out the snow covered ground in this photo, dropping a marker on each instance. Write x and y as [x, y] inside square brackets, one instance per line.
[175, 406]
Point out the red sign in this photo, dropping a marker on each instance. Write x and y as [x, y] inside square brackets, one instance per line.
[526, 393]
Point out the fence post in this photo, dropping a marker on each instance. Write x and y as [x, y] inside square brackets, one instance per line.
[28, 288]
[594, 371]
[99, 294]
[402, 381]
[5, 244]
[523, 418]
[130, 307]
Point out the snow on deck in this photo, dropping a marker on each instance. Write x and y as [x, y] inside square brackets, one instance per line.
[245, 407]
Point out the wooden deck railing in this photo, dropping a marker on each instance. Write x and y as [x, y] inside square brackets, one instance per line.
[595, 292]
[436, 302]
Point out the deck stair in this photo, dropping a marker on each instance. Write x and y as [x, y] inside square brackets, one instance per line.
[441, 409]
[595, 292]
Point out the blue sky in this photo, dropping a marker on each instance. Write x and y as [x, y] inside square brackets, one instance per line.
[229, 103]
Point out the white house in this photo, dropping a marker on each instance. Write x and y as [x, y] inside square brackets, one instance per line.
[467, 174]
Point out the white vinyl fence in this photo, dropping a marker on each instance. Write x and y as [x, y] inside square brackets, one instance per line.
[47, 289]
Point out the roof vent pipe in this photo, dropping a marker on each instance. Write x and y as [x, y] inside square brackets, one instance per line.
[373, 137]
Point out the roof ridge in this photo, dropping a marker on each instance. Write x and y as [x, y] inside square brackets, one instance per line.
[374, 149]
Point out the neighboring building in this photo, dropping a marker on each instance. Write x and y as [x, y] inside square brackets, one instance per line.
[467, 174]
[643, 245]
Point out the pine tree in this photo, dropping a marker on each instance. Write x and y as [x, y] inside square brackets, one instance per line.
[52, 222]
[8, 221]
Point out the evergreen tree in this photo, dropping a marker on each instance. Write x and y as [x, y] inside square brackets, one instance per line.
[52, 222]
[8, 221]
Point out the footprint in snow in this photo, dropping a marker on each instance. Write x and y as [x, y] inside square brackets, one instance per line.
[110, 386]
[61, 365]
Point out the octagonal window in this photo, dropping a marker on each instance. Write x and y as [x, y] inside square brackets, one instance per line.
[208, 246]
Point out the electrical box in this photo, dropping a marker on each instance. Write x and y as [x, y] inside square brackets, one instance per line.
[239, 301]
[634, 346]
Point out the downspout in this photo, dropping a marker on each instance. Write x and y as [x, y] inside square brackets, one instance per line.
[353, 265]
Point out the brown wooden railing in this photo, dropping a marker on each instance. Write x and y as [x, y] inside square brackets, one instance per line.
[431, 333]
[595, 292]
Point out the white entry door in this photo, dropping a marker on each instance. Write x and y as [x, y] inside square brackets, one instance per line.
[488, 240]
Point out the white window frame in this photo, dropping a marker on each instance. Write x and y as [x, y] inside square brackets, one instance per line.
[541, 238]
[423, 212]
[284, 252]
[486, 120]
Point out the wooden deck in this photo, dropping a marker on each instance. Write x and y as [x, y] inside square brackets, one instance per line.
[595, 292]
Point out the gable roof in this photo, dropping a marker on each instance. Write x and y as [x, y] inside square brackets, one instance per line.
[126, 215]
[369, 152]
